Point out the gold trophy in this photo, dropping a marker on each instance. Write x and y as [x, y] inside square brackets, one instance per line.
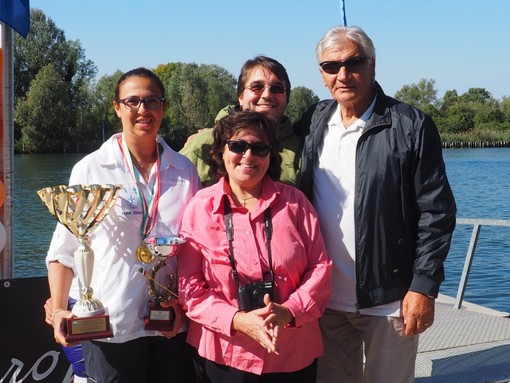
[81, 208]
[162, 318]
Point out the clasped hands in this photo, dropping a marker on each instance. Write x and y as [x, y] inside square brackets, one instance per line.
[265, 324]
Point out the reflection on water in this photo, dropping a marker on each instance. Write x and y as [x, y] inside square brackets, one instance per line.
[33, 224]
[480, 180]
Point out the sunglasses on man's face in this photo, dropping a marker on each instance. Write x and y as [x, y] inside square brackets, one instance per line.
[259, 88]
[352, 65]
[258, 149]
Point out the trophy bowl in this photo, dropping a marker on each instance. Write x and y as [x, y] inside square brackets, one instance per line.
[164, 246]
[81, 209]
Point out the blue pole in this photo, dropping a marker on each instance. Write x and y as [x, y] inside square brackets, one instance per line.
[343, 11]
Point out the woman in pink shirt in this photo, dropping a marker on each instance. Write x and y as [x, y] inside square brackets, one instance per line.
[254, 275]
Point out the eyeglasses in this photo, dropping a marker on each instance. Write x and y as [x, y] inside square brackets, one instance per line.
[258, 88]
[258, 149]
[133, 103]
[352, 65]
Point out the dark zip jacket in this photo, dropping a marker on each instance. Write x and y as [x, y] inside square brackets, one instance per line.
[404, 207]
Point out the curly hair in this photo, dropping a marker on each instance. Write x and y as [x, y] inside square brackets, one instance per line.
[237, 121]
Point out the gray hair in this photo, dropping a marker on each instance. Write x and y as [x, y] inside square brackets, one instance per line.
[336, 35]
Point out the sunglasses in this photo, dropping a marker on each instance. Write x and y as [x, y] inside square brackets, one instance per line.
[133, 103]
[258, 149]
[258, 88]
[352, 65]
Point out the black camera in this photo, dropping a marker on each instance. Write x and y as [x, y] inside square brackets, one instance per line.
[251, 295]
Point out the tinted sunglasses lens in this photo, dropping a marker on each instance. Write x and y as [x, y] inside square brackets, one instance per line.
[257, 88]
[331, 67]
[259, 150]
[354, 63]
[277, 89]
[238, 147]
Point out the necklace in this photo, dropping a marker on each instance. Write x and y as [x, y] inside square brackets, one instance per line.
[144, 170]
[244, 200]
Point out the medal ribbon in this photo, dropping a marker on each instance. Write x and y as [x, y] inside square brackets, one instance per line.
[149, 210]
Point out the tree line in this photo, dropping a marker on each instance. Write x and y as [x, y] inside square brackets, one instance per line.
[472, 117]
[59, 106]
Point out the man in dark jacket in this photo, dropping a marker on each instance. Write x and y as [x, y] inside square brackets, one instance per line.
[373, 168]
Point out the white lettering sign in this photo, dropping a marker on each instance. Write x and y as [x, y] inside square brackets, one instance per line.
[15, 371]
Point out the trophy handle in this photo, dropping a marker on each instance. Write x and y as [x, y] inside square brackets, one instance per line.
[167, 290]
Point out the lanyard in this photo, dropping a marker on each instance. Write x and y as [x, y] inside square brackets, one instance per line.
[149, 209]
[229, 226]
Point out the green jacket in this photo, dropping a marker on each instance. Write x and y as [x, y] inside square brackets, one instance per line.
[197, 150]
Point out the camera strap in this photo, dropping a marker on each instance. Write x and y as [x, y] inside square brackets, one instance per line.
[229, 226]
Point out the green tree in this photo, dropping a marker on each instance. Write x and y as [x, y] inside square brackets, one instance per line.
[104, 116]
[459, 119]
[46, 44]
[45, 114]
[449, 99]
[505, 108]
[195, 95]
[301, 98]
[422, 95]
[477, 95]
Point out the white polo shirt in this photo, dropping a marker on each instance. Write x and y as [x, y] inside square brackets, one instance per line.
[334, 177]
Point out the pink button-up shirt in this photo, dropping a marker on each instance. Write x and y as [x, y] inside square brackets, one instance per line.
[208, 290]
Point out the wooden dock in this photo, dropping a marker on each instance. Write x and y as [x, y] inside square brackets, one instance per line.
[467, 345]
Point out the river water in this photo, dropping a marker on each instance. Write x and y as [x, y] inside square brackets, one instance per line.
[480, 179]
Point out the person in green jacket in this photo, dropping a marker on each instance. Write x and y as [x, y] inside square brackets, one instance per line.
[263, 86]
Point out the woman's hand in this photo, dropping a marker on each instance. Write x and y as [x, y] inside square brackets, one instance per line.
[48, 311]
[264, 324]
[178, 320]
[279, 317]
[58, 321]
[252, 324]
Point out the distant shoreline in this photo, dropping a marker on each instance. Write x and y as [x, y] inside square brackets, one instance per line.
[476, 144]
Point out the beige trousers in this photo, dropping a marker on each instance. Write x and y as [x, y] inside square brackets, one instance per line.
[365, 349]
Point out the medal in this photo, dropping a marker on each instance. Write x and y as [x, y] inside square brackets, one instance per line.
[149, 209]
[143, 254]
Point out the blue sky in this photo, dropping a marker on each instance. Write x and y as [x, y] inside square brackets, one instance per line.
[459, 44]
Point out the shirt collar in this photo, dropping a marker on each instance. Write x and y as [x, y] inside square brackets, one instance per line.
[270, 192]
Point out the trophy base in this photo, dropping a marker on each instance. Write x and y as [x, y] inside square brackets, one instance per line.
[159, 318]
[87, 328]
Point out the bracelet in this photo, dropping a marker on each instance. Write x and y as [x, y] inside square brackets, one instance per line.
[55, 313]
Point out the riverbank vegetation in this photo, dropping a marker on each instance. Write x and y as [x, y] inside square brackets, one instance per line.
[60, 106]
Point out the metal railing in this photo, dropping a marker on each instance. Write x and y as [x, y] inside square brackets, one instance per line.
[477, 224]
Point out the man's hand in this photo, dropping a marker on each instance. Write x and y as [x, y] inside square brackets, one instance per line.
[418, 313]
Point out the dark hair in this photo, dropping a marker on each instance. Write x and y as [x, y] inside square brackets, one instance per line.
[139, 72]
[237, 121]
[267, 63]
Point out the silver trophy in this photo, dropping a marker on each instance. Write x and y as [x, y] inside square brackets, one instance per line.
[81, 208]
[162, 318]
